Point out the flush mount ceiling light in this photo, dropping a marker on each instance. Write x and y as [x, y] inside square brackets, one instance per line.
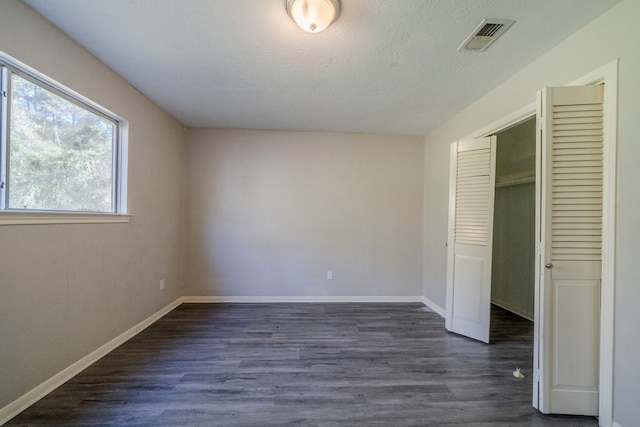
[313, 16]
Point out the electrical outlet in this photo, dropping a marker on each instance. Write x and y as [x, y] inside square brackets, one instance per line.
[161, 284]
[329, 275]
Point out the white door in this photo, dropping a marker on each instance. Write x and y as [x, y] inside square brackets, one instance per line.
[569, 228]
[471, 197]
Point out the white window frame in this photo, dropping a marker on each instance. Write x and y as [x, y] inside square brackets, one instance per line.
[32, 216]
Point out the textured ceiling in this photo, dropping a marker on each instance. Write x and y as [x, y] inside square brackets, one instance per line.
[385, 66]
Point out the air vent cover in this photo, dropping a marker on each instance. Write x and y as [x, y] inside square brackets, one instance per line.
[485, 34]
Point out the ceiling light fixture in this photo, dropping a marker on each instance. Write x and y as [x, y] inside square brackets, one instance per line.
[313, 16]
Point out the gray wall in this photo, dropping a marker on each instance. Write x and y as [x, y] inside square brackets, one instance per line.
[269, 213]
[66, 290]
[513, 260]
[612, 35]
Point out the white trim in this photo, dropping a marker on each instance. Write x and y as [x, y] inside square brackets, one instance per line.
[122, 172]
[4, 104]
[37, 393]
[34, 218]
[434, 307]
[505, 122]
[537, 323]
[299, 299]
[453, 166]
[615, 424]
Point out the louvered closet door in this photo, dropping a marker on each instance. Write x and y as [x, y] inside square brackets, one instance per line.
[571, 233]
[471, 197]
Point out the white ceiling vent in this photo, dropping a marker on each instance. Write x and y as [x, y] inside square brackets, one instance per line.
[485, 34]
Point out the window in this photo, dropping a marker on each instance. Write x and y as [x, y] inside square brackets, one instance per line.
[59, 152]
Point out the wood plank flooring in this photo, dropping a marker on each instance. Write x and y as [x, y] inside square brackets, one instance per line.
[304, 364]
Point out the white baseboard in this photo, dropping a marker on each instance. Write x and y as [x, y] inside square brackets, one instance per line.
[615, 424]
[37, 393]
[435, 307]
[305, 299]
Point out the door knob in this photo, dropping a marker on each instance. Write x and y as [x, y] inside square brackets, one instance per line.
[549, 265]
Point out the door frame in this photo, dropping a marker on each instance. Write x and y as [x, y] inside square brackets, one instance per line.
[607, 74]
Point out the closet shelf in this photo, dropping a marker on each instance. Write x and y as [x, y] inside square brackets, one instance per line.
[518, 181]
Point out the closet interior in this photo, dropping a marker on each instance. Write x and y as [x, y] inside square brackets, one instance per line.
[513, 258]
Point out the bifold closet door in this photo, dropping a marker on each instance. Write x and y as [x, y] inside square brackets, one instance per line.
[570, 232]
[471, 198]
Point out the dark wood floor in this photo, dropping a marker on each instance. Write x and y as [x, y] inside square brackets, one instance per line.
[308, 365]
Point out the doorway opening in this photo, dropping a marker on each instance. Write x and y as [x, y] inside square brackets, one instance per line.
[513, 253]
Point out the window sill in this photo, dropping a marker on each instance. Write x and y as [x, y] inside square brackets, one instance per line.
[35, 218]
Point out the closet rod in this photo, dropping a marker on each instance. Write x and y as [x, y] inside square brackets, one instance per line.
[519, 181]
